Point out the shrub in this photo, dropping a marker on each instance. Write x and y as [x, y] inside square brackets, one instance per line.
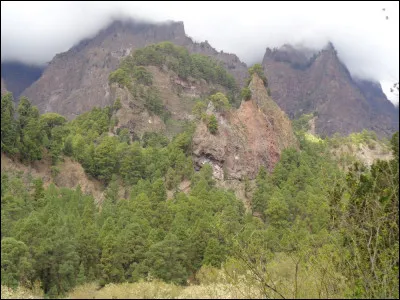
[142, 76]
[212, 124]
[245, 93]
[258, 69]
[119, 76]
[117, 104]
[220, 102]
[54, 171]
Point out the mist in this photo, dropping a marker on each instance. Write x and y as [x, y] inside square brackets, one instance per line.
[366, 41]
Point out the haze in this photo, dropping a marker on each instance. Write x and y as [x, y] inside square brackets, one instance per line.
[367, 42]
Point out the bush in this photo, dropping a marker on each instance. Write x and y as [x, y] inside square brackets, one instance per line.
[245, 94]
[142, 76]
[54, 171]
[199, 108]
[258, 69]
[154, 139]
[153, 102]
[119, 76]
[212, 124]
[220, 102]
[117, 104]
[177, 59]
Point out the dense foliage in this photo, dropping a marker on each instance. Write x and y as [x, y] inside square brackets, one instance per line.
[245, 93]
[133, 73]
[175, 58]
[212, 124]
[308, 216]
[178, 59]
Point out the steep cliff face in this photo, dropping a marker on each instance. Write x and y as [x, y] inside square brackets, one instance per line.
[177, 96]
[301, 82]
[230, 61]
[250, 137]
[77, 80]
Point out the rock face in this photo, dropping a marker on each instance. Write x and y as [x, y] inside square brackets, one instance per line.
[250, 137]
[177, 96]
[230, 61]
[77, 80]
[303, 82]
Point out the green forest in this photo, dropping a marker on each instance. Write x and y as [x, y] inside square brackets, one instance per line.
[313, 229]
[342, 225]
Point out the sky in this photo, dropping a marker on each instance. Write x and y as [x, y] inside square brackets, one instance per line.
[367, 42]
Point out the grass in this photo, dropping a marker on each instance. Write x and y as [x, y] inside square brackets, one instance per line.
[157, 290]
[315, 277]
[312, 138]
[20, 293]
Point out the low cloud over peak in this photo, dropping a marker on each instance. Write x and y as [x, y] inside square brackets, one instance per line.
[367, 42]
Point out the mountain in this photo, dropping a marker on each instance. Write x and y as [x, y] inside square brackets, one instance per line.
[77, 80]
[304, 82]
[300, 80]
[18, 76]
[230, 61]
[3, 86]
[247, 138]
[250, 137]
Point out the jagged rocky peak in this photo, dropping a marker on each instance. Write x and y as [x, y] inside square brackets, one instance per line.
[298, 56]
[324, 85]
[230, 61]
[329, 47]
[247, 138]
[77, 80]
[120, 29]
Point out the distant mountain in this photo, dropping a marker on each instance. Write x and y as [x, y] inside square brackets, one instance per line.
[18, 76]
[301, 81]
[77, 80]
[3, 86]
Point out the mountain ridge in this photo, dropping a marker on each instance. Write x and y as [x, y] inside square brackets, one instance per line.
[76, 80]
[323, 84]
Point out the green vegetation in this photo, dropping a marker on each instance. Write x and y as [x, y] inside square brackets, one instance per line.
[117, 104]
[312, 230]
[356, 139]
[301, 124]
[153, 102]
[179, 60]
[175, 58]
[119, 76]
[199, 109]
[133, 73]
[220, 102]
[245, 94]
[257, 69]
[8, 125]
[212, 124]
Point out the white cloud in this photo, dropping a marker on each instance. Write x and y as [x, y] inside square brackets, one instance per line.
[33, 32]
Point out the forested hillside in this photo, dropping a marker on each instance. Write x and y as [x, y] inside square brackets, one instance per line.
[312, 229]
